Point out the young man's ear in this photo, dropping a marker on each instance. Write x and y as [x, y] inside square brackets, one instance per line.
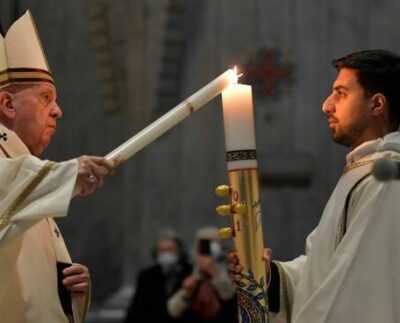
[7, 109]
[379, 104]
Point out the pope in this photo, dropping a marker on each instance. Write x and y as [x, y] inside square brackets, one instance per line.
[38, 281]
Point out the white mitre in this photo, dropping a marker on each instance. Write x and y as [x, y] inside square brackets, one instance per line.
[22, 59]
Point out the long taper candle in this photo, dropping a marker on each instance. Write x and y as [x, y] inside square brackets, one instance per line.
[173, 117]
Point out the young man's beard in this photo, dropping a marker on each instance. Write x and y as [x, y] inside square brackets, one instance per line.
[348, 137]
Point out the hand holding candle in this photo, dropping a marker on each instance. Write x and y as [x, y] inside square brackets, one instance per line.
[173, 117]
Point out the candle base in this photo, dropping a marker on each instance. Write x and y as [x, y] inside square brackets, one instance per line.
[249, 244]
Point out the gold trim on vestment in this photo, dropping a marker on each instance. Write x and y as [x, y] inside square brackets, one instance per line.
[392, 156]
[15, 205]
[358, 164]
[285, 291]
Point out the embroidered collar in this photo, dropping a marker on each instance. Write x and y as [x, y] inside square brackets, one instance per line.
[389, 142]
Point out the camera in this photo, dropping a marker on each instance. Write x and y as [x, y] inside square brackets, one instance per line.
[205, 247]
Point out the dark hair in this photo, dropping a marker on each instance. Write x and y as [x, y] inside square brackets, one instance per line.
[378, 71]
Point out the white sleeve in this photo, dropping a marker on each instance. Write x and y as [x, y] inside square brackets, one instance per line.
[21, 207]
[289, 276]
[294, 268]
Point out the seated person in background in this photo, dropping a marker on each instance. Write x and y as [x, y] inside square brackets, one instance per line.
[158, 282]
[208, 294]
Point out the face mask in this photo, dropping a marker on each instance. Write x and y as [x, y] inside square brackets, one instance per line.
[167, 259]
[216, 250]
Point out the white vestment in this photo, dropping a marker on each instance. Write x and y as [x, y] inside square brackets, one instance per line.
[30, 242]
[356, 277]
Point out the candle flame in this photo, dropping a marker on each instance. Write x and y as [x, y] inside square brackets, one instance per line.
[236, 76]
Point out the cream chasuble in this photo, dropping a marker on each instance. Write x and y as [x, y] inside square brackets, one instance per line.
[30, 242]
[353, 277]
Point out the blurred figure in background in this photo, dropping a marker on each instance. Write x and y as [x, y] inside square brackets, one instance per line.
[207, 295]
[157, 283]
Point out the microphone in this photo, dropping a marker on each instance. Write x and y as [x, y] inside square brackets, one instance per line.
[385, 170]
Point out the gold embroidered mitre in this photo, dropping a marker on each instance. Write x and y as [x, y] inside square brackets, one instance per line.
[22, 59]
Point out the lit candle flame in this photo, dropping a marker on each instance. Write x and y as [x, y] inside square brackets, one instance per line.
[236, 77]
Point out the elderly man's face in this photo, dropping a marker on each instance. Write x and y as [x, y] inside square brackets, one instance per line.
[36, 112]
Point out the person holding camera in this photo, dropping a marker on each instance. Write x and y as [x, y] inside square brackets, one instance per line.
[155, 284]
[207, 295]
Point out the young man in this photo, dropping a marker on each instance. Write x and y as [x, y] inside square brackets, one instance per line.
[350, 270]
[38, 282]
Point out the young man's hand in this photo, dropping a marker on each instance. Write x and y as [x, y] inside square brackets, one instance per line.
[235, 269]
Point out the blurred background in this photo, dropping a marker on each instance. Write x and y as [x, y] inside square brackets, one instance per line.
[119, 65]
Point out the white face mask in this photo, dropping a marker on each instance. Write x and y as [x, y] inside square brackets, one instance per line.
[216, 250]
[167, 259]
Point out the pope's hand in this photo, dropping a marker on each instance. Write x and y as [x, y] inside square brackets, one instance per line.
[235, 269]
[91, 172]
[77, 280]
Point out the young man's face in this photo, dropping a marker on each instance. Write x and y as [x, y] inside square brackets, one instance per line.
[348, 110]
[36, 111]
